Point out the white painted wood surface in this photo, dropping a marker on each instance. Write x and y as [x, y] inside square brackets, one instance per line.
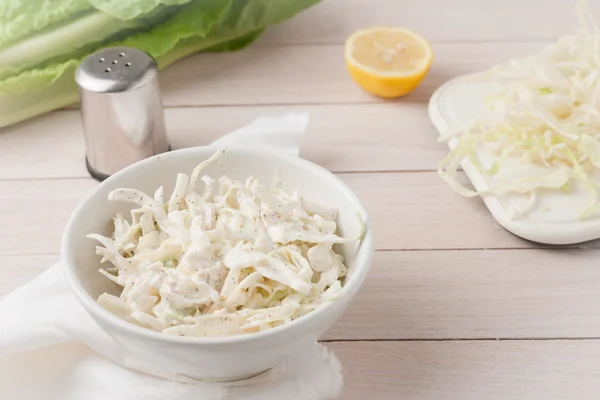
[447, 281]
[471, 370]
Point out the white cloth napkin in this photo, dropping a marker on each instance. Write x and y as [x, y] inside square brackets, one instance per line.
[51, 349]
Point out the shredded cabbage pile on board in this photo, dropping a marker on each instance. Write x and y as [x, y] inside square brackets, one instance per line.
[235, 258]
[547, 114]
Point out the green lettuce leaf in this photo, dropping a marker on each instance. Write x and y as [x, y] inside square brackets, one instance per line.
[237, 43]
[194, 20]
[37, 92]
[243, 18]
[19, 18]
[128, 9]
[63, 40]
[247, 16]
[216, 25]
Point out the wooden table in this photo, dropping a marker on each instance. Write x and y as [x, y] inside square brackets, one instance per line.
[455, 308]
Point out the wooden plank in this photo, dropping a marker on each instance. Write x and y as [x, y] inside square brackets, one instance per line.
[449, 294]
[34, 213]
[410, 211]
[439, 21]
[49, 146]
[505, 370]
[373, 137]
[476, 294]
[311, 74]
[381, 136]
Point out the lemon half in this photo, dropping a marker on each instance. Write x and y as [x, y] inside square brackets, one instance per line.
[388, 62]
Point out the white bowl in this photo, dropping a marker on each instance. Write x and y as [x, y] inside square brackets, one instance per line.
[228, 357]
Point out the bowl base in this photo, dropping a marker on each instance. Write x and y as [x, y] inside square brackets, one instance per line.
[230, 379]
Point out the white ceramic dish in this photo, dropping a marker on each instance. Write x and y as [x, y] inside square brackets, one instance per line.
[555, 218]
[220, 358]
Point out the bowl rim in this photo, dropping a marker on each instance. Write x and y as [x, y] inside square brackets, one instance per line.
[363, 263]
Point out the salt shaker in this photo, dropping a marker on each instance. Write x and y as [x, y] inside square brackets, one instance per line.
[121, 108]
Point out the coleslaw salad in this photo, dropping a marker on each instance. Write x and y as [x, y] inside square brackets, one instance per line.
[236, 258]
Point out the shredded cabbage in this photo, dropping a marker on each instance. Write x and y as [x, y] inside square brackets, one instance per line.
[235, 258]
[546, 114]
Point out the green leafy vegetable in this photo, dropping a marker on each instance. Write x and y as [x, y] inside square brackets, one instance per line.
[19, 18]
[38, 55]
[126, 10]
[63, 40]
[238, 43]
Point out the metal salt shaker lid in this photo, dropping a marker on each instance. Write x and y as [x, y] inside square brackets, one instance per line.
[121, 108]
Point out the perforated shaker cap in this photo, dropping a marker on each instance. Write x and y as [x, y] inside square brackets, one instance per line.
[121, 109]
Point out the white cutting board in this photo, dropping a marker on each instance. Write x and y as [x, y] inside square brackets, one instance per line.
[555, 217]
